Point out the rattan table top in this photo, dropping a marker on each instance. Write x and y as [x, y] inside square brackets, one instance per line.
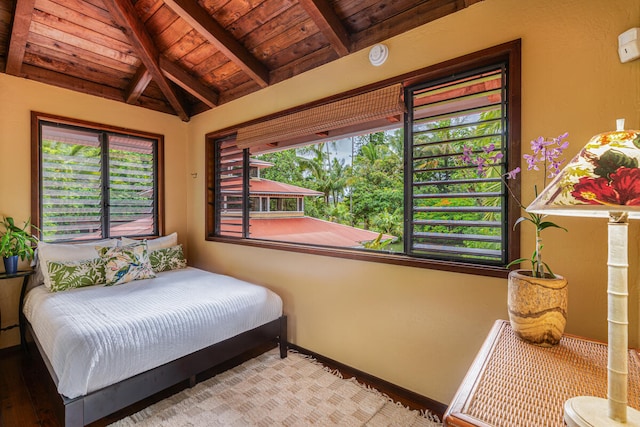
[513, 383]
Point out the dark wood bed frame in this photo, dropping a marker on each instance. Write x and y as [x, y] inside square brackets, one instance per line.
[86, 409]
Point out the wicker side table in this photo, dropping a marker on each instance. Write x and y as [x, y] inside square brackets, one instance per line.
[512, 383]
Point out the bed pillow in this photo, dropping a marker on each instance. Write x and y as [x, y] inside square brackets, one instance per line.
[167, 259]
[48, 252]
[126, 263]
[75, 274]
[154, 244]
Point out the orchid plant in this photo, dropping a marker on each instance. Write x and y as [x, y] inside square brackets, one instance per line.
[546, 155]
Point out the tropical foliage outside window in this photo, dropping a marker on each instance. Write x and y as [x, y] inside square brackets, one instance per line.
[96, 183]
[360, 178]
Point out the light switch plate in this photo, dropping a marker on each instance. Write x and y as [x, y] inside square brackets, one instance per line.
[629, 45]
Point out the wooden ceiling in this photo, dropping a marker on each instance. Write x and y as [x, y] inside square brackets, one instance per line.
[184, 57]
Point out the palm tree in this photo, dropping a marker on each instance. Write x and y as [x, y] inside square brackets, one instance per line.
[329, 174]
[317, 167]
[371, 152]
[337, 179]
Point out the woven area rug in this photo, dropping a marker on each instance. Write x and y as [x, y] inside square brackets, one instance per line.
[268, 391]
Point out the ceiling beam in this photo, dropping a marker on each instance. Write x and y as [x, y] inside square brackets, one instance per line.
[79, 85]
[411, 18]
[329, 24]
[306, 63]
[125, 15]
[19, 33]
[137, 85]
[187, 82]
[198, 17]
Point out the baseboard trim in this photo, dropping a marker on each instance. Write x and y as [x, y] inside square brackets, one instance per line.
[406, 397]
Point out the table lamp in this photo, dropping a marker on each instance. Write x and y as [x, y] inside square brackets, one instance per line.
[603, 180]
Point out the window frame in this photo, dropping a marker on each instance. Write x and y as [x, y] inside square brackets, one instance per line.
[37, 118]
[508, 53]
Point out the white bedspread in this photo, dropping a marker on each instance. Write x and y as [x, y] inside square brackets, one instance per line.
[97, 336]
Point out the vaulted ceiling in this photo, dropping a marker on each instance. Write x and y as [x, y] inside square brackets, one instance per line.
[184, 57]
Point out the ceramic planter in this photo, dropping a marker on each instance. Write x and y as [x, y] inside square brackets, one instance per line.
[537, 307]
[10, 264]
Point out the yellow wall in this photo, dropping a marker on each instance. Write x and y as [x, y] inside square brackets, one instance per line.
[18, 97]
[417, 328]
[421, 328]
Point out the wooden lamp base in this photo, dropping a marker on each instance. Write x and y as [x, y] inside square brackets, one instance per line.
[589, 411]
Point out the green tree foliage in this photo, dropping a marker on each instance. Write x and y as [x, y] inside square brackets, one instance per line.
[285, 167]
[68, 171]
[389, 222]
[367, 194]
[327, 173]
[440, 145]
[73, 185]
[377, 185]
[378, 243]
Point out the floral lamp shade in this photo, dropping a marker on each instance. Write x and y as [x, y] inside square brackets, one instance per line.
[604, 177]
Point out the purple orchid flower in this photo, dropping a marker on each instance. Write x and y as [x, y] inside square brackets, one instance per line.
[513, 173]
[532, 162]
[466, 154]
[547, 153]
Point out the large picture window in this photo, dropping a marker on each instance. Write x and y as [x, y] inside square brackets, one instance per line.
[94, 181]
[382, 174]
[346, 193]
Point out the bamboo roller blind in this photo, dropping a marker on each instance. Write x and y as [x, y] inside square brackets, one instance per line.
[353, 111]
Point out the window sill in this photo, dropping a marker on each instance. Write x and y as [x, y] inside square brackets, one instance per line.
[386, 258]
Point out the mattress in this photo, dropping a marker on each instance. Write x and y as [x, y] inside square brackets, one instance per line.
[97, 336]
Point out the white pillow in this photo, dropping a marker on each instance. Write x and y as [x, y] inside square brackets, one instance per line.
[154, 244]
[68, 252]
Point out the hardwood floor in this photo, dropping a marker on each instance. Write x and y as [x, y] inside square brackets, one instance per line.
[26, 400]
[17, 408]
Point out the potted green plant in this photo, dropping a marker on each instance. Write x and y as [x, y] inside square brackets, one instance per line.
[15, 242]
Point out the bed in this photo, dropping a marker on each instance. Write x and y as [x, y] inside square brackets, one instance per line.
[107, 347]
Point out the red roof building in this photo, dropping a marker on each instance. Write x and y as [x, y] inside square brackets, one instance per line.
[277, 213]
[310, 231]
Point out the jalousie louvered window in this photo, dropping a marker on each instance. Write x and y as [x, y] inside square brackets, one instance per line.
[95, 184]
[457, 213]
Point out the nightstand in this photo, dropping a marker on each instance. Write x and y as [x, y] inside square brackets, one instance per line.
[513, 383]
[25, 275]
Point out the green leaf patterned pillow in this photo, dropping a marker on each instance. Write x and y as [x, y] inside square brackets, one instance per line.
[126, 263]
[75, 274]
[167, 259]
